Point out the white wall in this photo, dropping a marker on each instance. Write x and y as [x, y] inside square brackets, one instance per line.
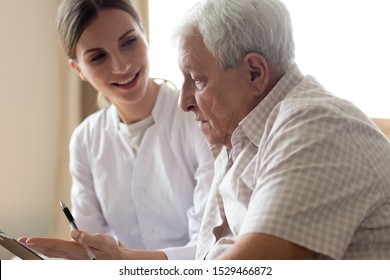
[29, 116]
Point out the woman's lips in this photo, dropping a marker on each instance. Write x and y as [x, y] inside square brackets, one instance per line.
[128, 83]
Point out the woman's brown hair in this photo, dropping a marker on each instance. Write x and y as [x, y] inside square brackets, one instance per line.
[75, 15]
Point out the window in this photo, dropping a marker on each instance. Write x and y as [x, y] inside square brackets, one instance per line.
[163, 16]
[343, 43]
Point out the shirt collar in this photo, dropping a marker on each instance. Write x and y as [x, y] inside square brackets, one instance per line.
[254, 123]
[157, 109]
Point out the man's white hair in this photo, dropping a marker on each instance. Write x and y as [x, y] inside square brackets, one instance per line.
[233, 28]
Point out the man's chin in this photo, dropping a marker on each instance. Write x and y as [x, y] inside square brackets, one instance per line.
[211, 139]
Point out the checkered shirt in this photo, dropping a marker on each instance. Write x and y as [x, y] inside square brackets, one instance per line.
[307, 167]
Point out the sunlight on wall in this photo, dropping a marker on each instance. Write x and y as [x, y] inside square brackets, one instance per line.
[343, 43]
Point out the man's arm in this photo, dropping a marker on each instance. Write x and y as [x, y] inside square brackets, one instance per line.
[262, 246]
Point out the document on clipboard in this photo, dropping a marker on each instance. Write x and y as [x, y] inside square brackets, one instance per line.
[17, 248]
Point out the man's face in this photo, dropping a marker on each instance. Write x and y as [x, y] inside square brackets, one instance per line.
[219, 99]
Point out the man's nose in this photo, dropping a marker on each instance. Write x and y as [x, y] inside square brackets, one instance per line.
[187, 100]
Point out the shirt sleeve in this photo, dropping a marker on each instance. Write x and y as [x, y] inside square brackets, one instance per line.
[198, 151]
[181, 253]
[314, 186]
[203, 175]
[85, 205]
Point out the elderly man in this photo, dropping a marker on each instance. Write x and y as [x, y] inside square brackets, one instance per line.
[299, 173]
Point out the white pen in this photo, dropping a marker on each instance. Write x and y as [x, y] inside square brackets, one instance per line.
[74, 226]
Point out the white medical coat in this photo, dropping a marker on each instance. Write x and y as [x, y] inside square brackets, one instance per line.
[152, 200]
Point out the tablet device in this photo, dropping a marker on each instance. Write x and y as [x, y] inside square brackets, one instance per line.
[17, 248]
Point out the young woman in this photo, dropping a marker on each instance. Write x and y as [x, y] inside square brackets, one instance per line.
[140, 167]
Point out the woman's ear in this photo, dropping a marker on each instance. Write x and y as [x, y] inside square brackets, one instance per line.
[259, 72]
[76, 67]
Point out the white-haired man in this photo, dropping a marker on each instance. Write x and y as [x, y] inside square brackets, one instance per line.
[299, 173]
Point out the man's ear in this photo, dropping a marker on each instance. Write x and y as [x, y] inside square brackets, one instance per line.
[259, 72]
[76, 67]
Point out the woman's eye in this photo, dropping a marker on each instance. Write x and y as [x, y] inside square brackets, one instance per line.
[129, 42]
[98, 57]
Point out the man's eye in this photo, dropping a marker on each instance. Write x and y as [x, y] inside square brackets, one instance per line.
[194, 79]
[199, 84]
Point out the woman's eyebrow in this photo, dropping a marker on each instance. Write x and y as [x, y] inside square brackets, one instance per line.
[125, 34]
[120, 38]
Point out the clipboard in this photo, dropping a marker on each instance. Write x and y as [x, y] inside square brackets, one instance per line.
[17, 248]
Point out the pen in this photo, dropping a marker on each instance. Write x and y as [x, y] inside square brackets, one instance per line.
[74, 226]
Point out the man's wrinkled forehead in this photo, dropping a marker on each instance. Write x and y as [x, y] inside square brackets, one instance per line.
[192, 51]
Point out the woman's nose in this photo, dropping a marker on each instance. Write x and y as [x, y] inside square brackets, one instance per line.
[120, 65]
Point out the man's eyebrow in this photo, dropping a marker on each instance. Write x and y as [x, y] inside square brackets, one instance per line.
[120, 38]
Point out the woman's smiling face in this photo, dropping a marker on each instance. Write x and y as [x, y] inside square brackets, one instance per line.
[112, 55]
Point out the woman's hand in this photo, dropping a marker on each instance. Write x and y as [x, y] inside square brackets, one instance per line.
[104, 247]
